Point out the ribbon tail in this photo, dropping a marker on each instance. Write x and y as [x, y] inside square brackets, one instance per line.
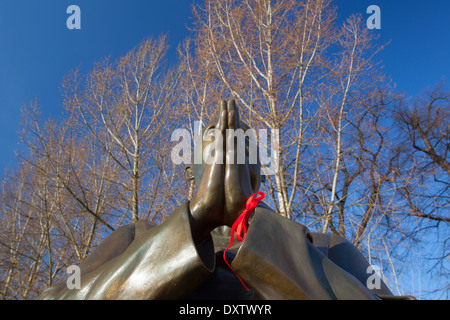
[225, 259]
[241, 226]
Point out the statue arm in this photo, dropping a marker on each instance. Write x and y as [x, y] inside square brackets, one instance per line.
[165, 263]
[279, 261]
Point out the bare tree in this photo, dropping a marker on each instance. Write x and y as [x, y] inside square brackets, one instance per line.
[292, 67]
[268, 56]
[424, 140]
[424, 126]
[126, 106]
[425, 122]
[105, 160]
[351, 73]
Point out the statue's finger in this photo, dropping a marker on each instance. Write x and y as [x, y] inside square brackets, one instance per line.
[231, 119]
[236, 118]
[222, 123]
[231, 105]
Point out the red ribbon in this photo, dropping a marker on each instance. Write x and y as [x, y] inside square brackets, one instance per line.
[240, 226]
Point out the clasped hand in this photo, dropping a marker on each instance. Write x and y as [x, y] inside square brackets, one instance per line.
[225, 185]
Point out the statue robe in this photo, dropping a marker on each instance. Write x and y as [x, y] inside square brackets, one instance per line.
[278, 259]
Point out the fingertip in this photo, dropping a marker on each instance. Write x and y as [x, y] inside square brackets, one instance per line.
[222, 122]
[231, 105]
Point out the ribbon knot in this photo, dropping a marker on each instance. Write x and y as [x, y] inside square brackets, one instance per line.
[240, 226]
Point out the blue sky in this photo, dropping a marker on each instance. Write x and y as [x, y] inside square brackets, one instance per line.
[37, 49]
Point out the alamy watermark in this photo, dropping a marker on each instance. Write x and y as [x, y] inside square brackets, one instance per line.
[74, 280]
[250, 143]
[374, 279]
[374, 21]
[74, 20]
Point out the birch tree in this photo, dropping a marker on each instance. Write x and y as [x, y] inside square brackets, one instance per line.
[268, 55]
[125, 106]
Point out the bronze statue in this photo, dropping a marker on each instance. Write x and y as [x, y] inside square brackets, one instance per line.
[182, 257]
